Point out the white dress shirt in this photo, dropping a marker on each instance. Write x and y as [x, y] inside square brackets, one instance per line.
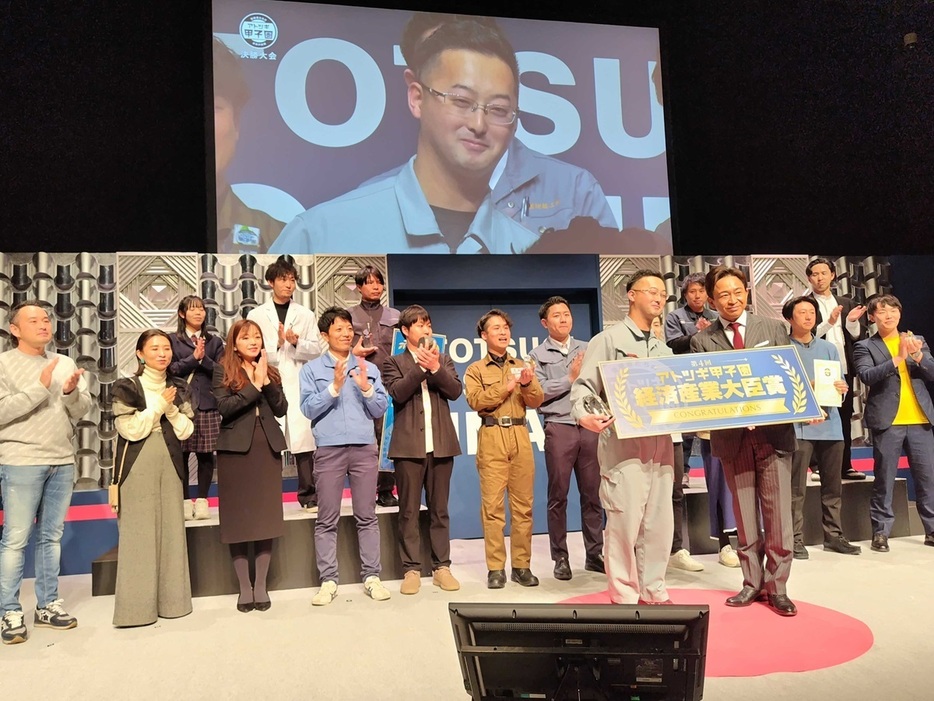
[426, 405]
[729, 332]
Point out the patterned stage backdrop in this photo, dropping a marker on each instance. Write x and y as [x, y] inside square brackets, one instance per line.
[777, 279]
[149, 288]
[615, 272]
[99, 303]
[231, 284]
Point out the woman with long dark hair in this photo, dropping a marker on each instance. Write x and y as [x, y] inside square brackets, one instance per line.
[152, 416]
[249, 466]
[195, 351]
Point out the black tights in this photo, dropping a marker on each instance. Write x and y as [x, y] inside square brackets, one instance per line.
[254, 591]
[205, 473]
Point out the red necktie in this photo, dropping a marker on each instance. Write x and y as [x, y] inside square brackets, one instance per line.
[737, 336]
[194, 340]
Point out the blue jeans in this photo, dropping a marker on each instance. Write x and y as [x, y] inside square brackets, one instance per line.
[33, 495]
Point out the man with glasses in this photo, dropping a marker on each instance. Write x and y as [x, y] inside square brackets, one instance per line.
[636, 474]
[466, 100]
[540, 192]
[756, 459]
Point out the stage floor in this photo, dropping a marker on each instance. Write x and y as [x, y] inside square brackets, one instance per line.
[358, 649]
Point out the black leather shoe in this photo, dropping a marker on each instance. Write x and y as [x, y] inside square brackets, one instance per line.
[595, 564]
[854, 475]
[800, 552]
[262, 605]
[842, 545]
[563, 569]
[387, 500]
[245, 607]
[880, 543]
[746, 596]
[929, 539]
[496, 579]
[782, 605]
[524, 576]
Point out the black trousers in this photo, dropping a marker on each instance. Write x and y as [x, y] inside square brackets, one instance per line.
[434, 476]
[385, 481]
[677, 498]
[570, 449]
[829, 461]
[846, 416]
[305, 466]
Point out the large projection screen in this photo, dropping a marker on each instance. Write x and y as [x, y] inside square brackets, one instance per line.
[330, 139]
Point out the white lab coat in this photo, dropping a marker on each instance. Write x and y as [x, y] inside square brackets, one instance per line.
[289, 361]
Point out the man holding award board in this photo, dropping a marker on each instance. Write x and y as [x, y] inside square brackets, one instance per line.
[745, 383]
[636, 473]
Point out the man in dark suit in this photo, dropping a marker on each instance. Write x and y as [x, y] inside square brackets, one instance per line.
[841, 321]
[756, 460]
[421, 382]
[899, 412]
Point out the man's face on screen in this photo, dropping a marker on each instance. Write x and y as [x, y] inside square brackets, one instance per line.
[463, 143]
[226, 134]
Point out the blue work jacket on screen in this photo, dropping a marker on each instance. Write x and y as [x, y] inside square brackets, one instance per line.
[540, 192]
[393, 216]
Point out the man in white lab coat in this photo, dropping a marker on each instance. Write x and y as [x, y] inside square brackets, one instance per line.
[291, 338]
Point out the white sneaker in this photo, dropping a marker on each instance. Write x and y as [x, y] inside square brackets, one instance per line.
[375, 589]
[310, 508]
[728, 556]
[201, 509]
[13, 628]
[682, 560]
[815, 476]
[189, 509]
[326, 594]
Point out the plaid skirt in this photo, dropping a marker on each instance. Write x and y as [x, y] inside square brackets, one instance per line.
[204, 438]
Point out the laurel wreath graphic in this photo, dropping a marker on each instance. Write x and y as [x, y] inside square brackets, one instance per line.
[799, 398]
[622, 400]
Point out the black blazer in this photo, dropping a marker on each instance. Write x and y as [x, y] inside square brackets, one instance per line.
[760, 331]
[238, 413]
[403, 377]
[877, 371]
[849, 341]
[184, 363]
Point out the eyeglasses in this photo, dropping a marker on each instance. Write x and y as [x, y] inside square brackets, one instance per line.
[501, 115]
[651, 292]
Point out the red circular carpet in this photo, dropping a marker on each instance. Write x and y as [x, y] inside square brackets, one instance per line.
[751, 641]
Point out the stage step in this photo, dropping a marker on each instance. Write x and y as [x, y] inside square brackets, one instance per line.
[854, 514]
[293, 558]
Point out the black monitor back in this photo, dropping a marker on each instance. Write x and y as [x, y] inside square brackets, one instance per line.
[588, 652]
